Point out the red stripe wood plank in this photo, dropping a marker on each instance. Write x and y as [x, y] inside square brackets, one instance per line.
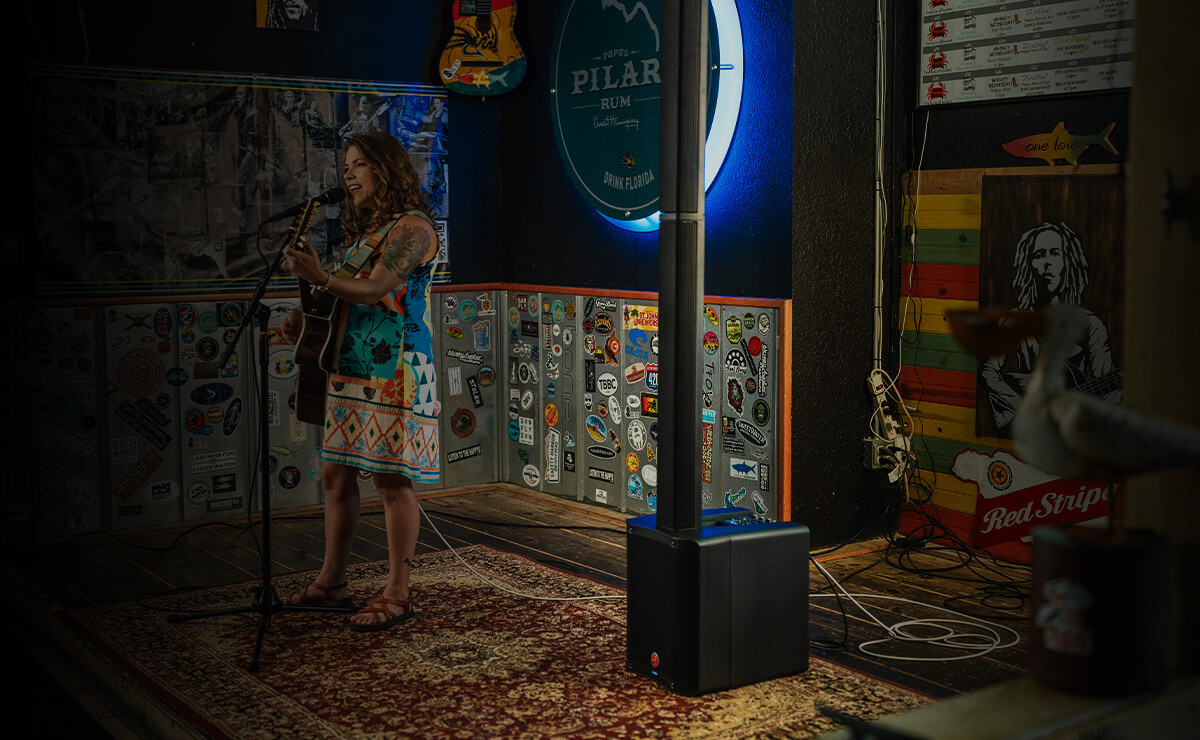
[953, 282]
[951, 387]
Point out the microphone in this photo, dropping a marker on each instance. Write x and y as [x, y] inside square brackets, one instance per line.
[332, 195]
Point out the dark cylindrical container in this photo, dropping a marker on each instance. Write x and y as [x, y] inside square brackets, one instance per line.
[1101, 611]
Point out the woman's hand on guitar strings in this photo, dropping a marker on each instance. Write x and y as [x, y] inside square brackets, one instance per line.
[302, 260]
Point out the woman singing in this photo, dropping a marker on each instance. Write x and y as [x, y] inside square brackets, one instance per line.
[381, 405]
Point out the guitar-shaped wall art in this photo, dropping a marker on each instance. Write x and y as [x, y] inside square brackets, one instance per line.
[482, 56]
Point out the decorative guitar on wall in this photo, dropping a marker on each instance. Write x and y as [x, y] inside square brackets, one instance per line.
[482, 56]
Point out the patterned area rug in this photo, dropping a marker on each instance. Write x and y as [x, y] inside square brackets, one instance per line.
[474, 663]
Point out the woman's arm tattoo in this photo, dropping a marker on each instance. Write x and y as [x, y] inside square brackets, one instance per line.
[404, 248]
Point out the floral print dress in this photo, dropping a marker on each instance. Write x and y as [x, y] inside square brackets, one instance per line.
[381, 405]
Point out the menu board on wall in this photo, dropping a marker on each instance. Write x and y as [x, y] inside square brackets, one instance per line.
[986, 50]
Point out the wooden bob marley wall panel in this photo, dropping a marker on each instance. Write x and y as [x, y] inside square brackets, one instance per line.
[1046, 240]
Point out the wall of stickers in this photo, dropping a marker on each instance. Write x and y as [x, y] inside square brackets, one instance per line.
[582, 383]
[132, 423]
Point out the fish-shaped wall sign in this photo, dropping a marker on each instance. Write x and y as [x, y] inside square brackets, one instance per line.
[1059, 144]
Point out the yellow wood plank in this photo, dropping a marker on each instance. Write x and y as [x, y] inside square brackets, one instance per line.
[934, 182]
[950, 492]
[928, 315]
[954, 423]
[952, 211]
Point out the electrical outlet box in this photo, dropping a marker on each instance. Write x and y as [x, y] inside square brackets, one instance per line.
[876, 454]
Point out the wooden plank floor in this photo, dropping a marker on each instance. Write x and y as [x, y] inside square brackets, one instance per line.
[576, 537]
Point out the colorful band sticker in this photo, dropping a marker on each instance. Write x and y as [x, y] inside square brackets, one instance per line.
[632, 462]
[635, 487]
[551, 414]
[711, 315]
[486, 375]
[466, 310]
[454, 332]
[711, 342]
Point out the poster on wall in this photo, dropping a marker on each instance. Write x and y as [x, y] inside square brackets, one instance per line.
[986, 50]
[291, 15]
[158, 182]
[1046, 240]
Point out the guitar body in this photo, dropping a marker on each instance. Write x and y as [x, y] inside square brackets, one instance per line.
[482, 56]
[316, 351]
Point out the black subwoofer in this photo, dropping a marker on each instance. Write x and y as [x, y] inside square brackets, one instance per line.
[725, 609]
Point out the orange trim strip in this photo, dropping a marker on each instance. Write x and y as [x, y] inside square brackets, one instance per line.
[783, 414]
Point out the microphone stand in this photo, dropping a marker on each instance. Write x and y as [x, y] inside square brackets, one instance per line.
[266, 600]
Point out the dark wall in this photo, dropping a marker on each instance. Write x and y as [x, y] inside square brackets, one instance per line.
[552, 236]
[362, 40]
[833, 226]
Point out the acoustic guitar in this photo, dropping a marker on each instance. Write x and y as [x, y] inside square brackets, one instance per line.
[315, 354]
[482, 56]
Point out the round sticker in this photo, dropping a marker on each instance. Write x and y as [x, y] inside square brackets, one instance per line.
[760, 412]
[462, 423]
[486, 375]
[764, 324]
[711, 342]
[531, 475]
[551, 414]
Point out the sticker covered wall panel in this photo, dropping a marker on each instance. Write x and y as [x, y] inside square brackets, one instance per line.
[219, 447]
[746, 425]
[467, 331]
[604, 457]
[61, 385]
[634, 347]
[142, 380]
[559, 375]
[524, 423]
[294, 452]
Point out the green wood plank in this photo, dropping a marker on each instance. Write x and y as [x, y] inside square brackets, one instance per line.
[944, 247]
[940, 351]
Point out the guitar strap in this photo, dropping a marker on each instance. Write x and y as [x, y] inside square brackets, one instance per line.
[360, 256]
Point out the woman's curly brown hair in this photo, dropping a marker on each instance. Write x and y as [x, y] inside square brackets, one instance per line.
[400, 189]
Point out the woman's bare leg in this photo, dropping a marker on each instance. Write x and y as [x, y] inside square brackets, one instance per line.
[341, 521]
[402, 518]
